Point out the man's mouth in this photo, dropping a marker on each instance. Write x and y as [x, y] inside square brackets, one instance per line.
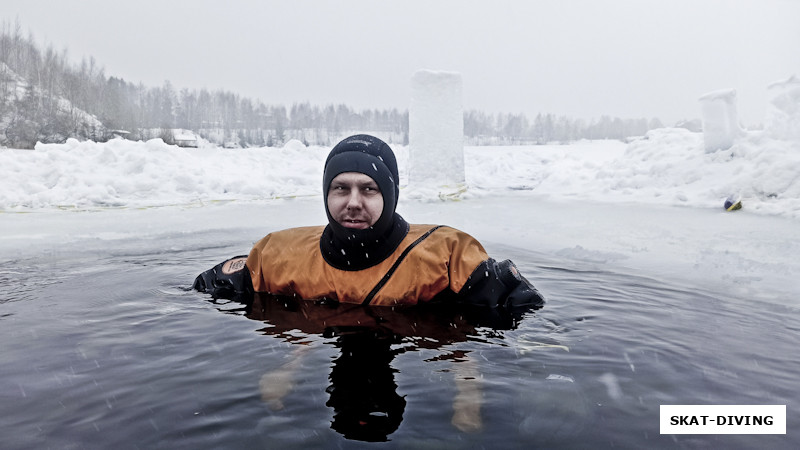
[355, 223]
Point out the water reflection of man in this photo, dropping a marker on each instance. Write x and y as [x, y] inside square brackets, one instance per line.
[367, 253]
[363, 393]
[362, 390]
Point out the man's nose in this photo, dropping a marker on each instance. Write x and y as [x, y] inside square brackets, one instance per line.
[354, 201]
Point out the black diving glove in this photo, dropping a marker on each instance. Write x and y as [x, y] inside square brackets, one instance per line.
[227, 279]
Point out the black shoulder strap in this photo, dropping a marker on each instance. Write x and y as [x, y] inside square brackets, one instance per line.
[396, 264]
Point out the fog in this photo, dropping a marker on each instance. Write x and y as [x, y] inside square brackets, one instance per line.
[582, 59]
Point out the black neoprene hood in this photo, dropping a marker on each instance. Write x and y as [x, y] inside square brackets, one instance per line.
[342, 246]
[372, 157]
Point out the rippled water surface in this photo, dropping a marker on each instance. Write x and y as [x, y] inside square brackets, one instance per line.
[105, 347]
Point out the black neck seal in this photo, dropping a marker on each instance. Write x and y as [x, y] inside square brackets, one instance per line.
[352, 249]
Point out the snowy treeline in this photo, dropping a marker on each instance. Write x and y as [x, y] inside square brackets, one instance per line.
[490, 129]
[46, 98]
[43, 97]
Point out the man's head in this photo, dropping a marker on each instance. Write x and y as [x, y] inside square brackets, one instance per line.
[361, 185]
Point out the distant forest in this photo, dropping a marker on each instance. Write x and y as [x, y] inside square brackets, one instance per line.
[47, 98]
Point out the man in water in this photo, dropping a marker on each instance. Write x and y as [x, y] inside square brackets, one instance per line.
[367, 253]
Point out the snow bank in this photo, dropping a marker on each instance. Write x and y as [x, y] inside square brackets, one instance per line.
[670, 166]
[126, 173]
[666, 167]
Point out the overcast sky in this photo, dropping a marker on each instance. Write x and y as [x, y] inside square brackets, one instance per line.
[580, 58]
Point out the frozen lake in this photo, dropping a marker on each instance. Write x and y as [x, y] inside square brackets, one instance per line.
[105, 346]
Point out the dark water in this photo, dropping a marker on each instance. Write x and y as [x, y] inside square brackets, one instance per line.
[104, 347]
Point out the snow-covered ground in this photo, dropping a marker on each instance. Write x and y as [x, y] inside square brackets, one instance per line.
[654, 206]
[666, 167]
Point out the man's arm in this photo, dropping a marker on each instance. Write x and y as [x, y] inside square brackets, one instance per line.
[228, 279]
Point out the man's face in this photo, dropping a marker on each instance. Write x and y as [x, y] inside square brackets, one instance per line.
[354, 200]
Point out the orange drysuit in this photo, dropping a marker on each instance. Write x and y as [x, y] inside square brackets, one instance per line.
[428, 261]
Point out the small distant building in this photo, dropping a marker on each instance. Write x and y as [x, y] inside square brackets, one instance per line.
[185, 138]
[693, 125]
[114, 134]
